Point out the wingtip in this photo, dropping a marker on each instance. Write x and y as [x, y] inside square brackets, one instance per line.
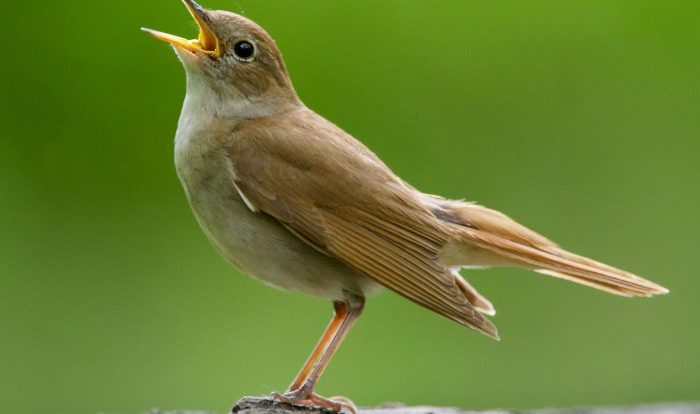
[491, 334]
[495, 336]
[487, 328]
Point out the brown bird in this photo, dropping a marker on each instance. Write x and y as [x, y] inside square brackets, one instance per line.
[291, 199]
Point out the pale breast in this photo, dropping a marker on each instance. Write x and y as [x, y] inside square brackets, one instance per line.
[252, 241]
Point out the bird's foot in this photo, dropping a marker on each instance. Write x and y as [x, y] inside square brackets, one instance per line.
[302, 397]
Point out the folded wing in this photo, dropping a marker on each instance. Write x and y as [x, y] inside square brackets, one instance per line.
[336, 195]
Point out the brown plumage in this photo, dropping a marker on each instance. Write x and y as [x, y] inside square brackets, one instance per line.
[341, 198]
[288, 197]
[477, 226]
[383, 227]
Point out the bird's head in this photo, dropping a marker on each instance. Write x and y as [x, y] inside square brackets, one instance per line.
[235, 61]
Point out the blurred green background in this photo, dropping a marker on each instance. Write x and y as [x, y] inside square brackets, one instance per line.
[579, 118]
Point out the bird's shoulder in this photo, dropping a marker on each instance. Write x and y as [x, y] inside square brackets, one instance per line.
[302, 154]
[303, 139]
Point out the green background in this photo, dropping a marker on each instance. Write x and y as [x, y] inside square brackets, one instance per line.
[581, 119]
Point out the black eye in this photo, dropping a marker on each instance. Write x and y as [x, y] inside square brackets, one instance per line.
[244, 50]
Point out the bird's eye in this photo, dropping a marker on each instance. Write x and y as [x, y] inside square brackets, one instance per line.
[244, 50]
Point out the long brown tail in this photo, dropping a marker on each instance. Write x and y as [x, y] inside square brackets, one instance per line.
[557, 262]
[479, 229]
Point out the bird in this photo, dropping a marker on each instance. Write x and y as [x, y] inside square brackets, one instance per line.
[291, 199]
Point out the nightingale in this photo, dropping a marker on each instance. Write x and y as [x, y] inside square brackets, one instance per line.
[291, 199]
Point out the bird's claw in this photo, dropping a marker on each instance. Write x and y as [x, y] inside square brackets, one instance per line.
[337, 404]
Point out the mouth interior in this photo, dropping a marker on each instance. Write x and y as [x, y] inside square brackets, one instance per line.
[206, 42]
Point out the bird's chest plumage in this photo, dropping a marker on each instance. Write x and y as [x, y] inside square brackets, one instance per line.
[253, 241]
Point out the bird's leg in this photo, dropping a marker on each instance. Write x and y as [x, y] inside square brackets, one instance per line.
[301, 389]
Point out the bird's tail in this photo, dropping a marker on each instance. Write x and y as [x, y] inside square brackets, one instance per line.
[485, 237]
[554, 261]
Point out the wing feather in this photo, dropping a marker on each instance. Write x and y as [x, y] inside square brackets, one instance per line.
[336, 195]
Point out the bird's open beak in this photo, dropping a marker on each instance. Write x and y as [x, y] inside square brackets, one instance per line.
[207, 41]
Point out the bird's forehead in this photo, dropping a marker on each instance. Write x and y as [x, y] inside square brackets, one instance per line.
[236, 25]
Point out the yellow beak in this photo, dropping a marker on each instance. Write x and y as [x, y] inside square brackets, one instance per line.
[207, 41]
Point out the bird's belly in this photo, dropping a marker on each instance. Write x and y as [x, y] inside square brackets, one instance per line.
[259, 245]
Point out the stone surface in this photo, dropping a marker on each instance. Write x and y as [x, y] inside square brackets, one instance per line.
[267, 406]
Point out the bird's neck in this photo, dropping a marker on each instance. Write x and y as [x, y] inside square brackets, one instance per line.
[228, 103]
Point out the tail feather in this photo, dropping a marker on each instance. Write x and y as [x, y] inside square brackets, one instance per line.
[479, 302]
[581, 281]
[649, 288]
[560, 263]
[479, 229]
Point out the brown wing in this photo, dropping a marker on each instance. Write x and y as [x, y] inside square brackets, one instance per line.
[333, 193]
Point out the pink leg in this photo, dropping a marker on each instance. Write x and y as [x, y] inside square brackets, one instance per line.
[301, 389]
